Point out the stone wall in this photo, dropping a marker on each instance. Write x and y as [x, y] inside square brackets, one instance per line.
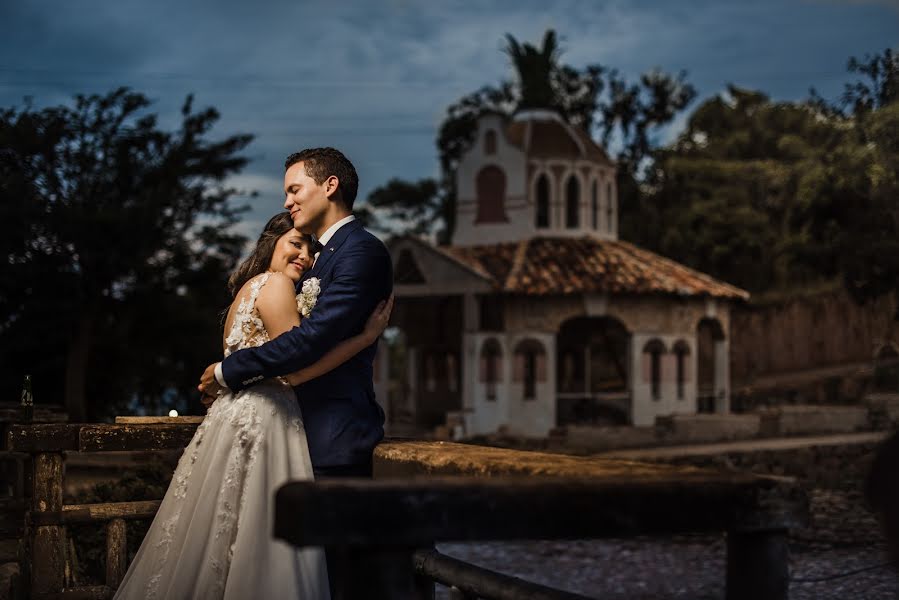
[807, 333]
[840, 467]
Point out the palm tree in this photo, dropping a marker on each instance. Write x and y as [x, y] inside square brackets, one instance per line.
[536, 70]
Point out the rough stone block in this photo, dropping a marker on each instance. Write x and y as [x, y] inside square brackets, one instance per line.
[599, 438]
[810, 419]
[695, 429]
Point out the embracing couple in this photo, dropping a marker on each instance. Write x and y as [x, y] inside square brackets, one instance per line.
[293, 399]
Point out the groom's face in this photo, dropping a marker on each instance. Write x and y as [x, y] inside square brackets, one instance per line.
[306, 200]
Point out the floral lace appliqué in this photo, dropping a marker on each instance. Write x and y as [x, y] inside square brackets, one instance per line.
[247, 330]
[242, 412]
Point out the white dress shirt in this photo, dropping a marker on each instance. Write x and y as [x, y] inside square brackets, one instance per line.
[323, 240]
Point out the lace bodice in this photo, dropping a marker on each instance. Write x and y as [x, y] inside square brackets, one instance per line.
[247, 330]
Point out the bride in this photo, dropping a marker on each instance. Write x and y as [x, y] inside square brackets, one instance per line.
[212, 536]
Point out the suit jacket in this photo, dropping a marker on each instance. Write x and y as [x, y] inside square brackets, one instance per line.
[343, 421]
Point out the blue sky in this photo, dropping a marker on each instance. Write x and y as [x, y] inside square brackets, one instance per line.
[374, 78]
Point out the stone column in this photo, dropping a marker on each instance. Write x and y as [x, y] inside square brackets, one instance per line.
[643, 408]
[470, 321]
[412, 382]
[722, 376]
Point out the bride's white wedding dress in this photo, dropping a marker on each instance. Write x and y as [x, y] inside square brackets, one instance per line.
[212, 536]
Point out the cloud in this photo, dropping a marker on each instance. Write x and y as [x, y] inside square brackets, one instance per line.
[374, 79]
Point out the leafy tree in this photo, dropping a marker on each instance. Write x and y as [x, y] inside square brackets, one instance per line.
[596, 99]
[777, 195]
[116, 249]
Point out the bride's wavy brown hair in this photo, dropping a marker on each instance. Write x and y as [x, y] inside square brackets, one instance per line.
[261, 258]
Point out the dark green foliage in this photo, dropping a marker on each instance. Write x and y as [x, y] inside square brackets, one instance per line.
[782, 195]
[114, 251]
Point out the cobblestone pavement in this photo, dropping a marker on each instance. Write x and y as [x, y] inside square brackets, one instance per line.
[842, 537]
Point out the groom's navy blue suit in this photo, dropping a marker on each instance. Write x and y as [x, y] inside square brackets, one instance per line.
[343, 421]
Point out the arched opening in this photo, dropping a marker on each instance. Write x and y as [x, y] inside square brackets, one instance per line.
[542, 202]
[490, 142]
[682, 353]
[431, 372]
[530, 366]
[592, 378]
[491, 361]
[490, 184]
[711, 357]
[572, 203]
[652, 361]
[426, 363]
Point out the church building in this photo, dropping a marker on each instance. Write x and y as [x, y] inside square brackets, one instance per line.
[537, 315]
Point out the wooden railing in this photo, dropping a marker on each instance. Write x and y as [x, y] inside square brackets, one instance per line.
[39, 524]
[472, 493]
[424, 493]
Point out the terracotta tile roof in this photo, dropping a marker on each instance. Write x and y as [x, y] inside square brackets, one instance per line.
[544, 266]
[552, 139]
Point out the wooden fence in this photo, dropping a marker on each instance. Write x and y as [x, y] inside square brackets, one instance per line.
[36, 517]
[430, 492]
[423, 493]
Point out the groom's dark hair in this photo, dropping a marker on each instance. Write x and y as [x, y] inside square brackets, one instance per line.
[321, 163]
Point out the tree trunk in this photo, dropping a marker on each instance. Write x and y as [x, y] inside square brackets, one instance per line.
[76, 368]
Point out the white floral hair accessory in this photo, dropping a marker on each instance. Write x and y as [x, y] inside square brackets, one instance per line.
[308, 296]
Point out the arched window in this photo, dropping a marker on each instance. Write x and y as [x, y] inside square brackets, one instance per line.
[654, 349]
[681, 351]
[542, 202]
[490, 142]
[490, 184]
[594, 203]
[610, 216]
[491, 361]
[572, 203]
[530, 366]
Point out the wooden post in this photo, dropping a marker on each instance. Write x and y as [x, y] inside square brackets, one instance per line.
[457, 594]
[757, 565]
[48, 545]
[376, 574]
[116, 553]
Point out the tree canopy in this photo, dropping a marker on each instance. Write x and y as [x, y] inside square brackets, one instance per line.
[116, 244]
[778, 195]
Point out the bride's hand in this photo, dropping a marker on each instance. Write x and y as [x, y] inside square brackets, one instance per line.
[378, 320]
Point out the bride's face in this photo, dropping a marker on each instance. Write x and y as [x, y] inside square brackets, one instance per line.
[291, 255]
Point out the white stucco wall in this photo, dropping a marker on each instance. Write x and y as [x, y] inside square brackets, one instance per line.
[529, 417]
[644, 408]
[522, 174]
[514, 165]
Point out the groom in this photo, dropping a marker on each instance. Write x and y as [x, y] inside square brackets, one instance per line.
[342, 419]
